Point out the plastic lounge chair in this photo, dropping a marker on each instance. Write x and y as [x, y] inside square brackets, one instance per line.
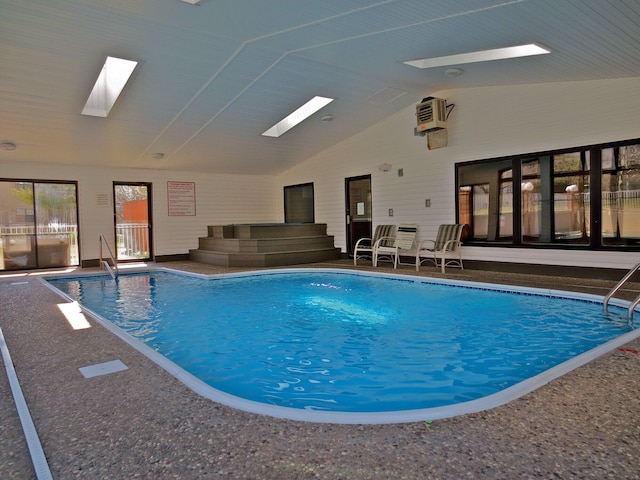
[364, 246]
[403, 243]
[441, 250]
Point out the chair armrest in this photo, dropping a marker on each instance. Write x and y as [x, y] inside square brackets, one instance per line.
[363, 241]
[423, 245]
[452, 245]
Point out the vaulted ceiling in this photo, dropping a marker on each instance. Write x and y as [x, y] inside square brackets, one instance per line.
[213, 76]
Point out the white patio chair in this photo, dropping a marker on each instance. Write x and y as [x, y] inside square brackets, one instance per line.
[444, 250]
[364, 246]
[403, 244]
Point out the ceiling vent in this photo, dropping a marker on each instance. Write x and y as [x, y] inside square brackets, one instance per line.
[431, 114]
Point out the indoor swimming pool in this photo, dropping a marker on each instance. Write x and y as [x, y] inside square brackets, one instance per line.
[351, 347]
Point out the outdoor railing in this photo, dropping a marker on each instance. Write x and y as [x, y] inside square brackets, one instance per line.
[132, 240]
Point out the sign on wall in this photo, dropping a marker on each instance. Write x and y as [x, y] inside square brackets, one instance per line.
[181, 199]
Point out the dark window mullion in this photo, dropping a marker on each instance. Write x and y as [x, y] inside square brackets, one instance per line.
[595, 193]
[517, 201]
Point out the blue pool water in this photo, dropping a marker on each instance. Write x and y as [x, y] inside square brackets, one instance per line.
[347, 342]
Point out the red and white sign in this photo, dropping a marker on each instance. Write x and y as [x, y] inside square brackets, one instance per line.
[181, 198]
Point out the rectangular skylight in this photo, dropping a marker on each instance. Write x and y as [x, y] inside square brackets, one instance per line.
[481, 56]
[113, 77]
[293, 119]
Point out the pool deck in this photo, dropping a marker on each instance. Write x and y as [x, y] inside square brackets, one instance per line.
[143, 423]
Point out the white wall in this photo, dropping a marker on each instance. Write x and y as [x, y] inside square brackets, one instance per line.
[220, 199]
[485, 123]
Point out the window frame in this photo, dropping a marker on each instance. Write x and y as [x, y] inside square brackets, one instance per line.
[311, 208]
[491, 170]
[40, 251]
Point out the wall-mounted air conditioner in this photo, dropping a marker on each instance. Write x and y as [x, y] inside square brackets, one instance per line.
[431, 114]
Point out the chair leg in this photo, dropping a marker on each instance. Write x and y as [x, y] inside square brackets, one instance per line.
[453, 261]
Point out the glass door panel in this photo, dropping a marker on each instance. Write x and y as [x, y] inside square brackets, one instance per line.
[57, 224]
[133, 228]
[17, 232]
[358, 210]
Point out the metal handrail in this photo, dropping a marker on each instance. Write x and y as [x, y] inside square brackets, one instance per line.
[104, 263]
[618, 286]
[108, 268]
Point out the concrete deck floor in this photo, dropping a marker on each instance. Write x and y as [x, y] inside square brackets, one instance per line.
[143, 423]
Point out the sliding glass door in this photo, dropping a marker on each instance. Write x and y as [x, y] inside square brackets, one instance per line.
[38, 225]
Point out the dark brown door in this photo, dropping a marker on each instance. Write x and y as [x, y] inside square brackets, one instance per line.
[358, 209]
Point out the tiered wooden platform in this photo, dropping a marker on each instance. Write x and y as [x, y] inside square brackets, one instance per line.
[265, 245]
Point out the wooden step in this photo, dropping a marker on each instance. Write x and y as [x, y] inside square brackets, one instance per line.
[273, 259]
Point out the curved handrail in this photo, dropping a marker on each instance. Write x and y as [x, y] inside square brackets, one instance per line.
[618, 286]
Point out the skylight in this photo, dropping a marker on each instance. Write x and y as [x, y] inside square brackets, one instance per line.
[480, 56]
[113, 77]
[305, 111]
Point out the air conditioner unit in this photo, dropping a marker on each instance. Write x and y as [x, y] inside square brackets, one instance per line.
[431, 114]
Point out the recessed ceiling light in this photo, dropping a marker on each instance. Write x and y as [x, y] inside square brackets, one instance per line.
[7, 146]
[157, 155]
[481, 56]
[453, 72]
[113, 77]
[293, 119]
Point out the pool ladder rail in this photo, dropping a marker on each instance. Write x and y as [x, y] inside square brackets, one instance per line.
[618, 286]
[104, 264]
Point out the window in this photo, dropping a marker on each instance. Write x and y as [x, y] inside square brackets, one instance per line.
[298, 204]
[621, 195]
[571, 197]
[484, 198]
[505, 225]
[587, 196]
[531, 201]
[480, 210]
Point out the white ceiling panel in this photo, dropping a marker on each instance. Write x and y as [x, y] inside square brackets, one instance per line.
[212, 77]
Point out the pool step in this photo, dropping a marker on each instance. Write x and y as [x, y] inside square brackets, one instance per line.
[265, 245]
